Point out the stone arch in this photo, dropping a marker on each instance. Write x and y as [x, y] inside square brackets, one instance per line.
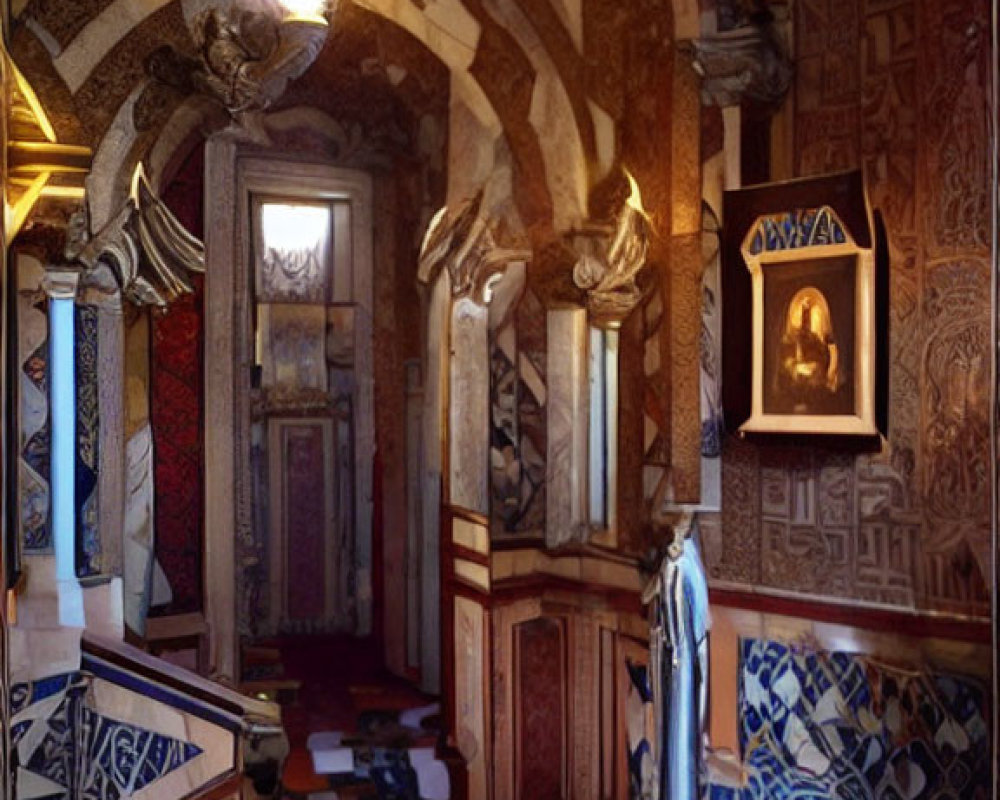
[502, 73]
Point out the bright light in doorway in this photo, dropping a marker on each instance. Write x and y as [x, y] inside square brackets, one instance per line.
[305, 10]
[288, 227]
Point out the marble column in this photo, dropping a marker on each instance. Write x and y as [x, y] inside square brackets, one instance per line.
[469, 409]
[435, 395]
[61, 286]
[566, 511]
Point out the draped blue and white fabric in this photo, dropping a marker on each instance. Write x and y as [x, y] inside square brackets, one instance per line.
[679, 667]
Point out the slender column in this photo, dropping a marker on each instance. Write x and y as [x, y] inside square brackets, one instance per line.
[61, 288]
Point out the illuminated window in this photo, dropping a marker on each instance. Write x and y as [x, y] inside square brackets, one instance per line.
[303, 291]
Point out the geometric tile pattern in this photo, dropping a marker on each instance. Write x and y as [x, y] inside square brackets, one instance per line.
[43, 734]
[832, 724]
[121, 758]
[35, 453]
[518, 395]
[804, 227]
[58, 742]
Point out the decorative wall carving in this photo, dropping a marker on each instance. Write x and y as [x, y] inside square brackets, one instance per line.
[245, 60]
[745, 62]
[915, 516]
[955, 412]
[954, 108]
[827, 68]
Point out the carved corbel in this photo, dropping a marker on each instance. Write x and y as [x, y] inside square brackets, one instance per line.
[245, 60]
[750, 62]
[470, 247]
[149, 251]
[609, 260]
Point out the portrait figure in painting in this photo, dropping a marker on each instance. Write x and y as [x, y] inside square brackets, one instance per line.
[808, 347]
[808, 364]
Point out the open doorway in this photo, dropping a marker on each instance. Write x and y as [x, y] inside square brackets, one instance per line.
[302, 399]
[301, 443]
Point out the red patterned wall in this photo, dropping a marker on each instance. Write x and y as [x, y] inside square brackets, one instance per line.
[176, 398]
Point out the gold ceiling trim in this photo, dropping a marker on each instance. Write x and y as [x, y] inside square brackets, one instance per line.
[31, 165]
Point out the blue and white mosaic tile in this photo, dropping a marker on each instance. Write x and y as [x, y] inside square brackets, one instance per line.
[804, 227]
[59, 742]
[821, 725]
[122, 758]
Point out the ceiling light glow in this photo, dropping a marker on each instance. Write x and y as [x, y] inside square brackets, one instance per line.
[290, 227]
[305, 10]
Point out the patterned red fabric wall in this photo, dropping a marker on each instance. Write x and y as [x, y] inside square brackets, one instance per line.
[176, 410]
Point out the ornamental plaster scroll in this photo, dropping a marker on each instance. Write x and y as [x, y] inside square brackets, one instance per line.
[750, 61]
[469, 245]
[150, 253]
[609, 260]
[245, 59]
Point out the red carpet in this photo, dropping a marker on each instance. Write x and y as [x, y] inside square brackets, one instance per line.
[341, 676]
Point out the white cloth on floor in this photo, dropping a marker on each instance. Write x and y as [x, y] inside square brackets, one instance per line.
[432, 775]
[328, 755]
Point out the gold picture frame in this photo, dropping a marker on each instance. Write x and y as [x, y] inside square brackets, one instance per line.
[813, 330]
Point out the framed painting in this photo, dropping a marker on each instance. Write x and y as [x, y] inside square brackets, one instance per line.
[813, 326]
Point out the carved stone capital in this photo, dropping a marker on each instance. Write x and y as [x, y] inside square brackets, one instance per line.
[61, 283]
[609, 260]
[470, 247]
